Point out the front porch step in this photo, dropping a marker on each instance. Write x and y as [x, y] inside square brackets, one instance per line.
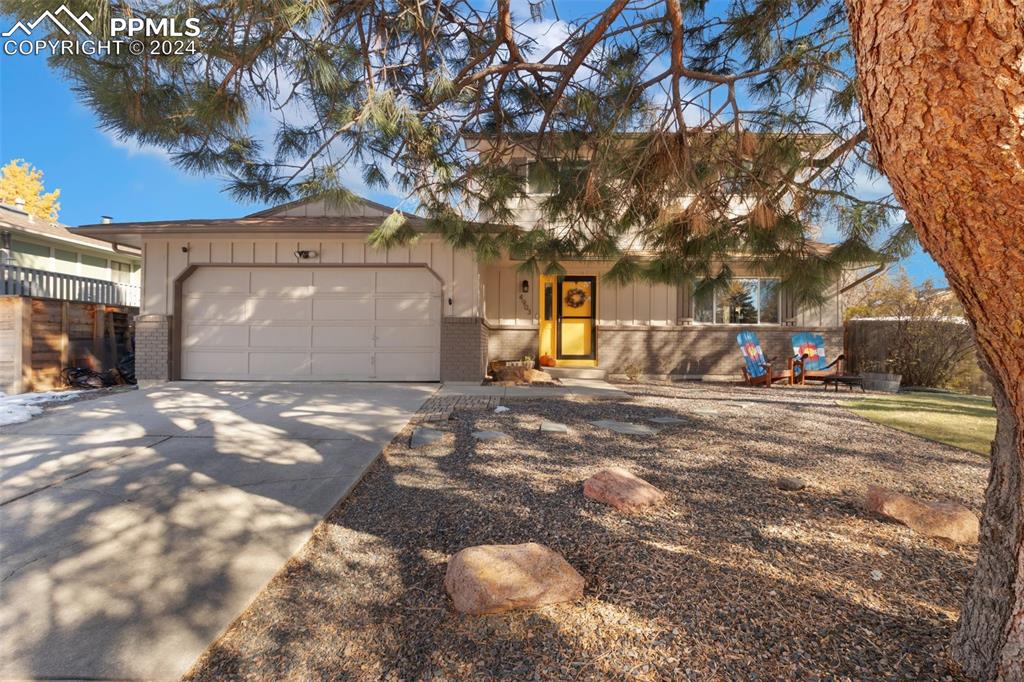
[576, 372]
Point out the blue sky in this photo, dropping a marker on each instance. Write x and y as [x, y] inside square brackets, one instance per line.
[42, 122]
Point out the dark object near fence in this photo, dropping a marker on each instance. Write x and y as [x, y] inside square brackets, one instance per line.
[82, 377]
[126, 366]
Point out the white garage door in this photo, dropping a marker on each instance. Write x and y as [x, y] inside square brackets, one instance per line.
[311, 324]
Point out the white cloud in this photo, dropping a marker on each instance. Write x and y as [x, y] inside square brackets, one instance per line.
[134, 148]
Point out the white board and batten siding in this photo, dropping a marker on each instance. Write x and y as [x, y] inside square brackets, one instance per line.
[166, 257]
[638, 304]
[308, 323]
[356, 314]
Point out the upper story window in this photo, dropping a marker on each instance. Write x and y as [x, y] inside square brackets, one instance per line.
[747, 301]
[547, 176]
[120, 272]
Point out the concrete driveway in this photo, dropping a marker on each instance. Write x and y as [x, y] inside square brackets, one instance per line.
[135, 527]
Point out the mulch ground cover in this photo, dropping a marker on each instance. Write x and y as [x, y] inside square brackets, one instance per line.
[730, 578]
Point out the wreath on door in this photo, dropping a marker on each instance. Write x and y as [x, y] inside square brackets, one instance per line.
[575, 297]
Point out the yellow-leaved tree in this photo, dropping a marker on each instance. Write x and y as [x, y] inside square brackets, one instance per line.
[21, 180]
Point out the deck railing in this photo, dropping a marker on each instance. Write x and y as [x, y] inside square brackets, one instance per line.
[18, 281]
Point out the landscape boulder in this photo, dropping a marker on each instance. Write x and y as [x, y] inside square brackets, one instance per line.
[521, 375]
[791, 484]
[498, 578]
[622, 490]
[947, 520]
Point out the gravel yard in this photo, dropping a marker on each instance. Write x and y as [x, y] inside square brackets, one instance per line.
[731, 578]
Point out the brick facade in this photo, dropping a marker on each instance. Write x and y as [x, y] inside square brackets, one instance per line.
[679, 351]
[152, 348]
[463, 349]
[695, 351]
[508, 343]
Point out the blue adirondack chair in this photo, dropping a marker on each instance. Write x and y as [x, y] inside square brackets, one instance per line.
[810, 360]
[758, 370]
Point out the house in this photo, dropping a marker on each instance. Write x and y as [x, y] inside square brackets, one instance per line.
[46, 259]
[296, 293]
[66, 300]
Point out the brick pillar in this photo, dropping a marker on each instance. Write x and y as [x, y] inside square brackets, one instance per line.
[463, 349]
[152, 349]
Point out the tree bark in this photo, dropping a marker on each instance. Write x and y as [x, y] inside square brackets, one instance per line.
[941, 85]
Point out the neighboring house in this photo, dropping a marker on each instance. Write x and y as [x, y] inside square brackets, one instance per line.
[66, 300]
[295, 293]
[46, 260]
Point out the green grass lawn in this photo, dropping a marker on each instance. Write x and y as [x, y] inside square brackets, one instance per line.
[964, 421]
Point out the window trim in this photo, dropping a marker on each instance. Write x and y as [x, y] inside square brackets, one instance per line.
[714, 307]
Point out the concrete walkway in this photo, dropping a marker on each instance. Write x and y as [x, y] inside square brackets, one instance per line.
[594, 388]
[135, 527]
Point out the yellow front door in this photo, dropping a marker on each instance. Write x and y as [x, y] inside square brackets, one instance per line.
[575, 317]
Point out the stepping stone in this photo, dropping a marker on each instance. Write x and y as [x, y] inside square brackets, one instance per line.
[425, 436]
[489, 435]
[947, 520]
[625, 428]
[498, 578]
[622, 490]
[668, 421]
[501, 408]
[553, 427]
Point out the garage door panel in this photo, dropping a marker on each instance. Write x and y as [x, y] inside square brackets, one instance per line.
[217, 308]
[283, 282]
[408, 366]
[407, 309]
[279, 336]
[278, 309]
[218, 281]
[418, 336]
[355, 365]
[279, 365]
[211, 364]
[343, 309]
[343, 337]
[216, 336]
[413, 281]
[351, 281]
[311, 323]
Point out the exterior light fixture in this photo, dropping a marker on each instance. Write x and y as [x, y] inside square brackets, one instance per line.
[304, 254]
[525, 286]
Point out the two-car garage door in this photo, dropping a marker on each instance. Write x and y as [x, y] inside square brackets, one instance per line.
[311, 324]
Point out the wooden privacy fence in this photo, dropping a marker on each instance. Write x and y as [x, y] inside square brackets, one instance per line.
[18, 281]
[39, 337]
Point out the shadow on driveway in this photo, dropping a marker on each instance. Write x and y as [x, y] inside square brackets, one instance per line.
[136, 527]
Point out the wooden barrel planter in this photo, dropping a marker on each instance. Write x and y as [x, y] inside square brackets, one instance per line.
[887, 383]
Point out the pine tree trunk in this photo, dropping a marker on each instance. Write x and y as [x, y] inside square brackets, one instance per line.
[941, 85]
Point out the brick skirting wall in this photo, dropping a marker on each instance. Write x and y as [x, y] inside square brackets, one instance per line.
[509, 343]
[152, 348]
[681, 351]
[463, 349]
[693, 351]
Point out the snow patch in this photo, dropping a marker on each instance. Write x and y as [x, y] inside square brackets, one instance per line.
[15, 409]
